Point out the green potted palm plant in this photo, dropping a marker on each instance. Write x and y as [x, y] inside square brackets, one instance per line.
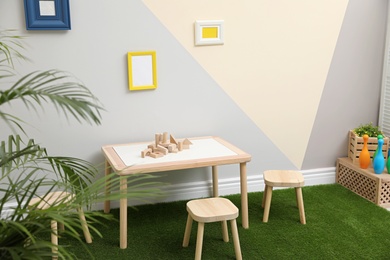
[28, 171]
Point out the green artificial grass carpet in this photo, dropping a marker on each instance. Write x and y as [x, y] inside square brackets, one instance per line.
[340, 225]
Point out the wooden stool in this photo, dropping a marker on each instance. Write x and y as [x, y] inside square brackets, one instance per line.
[207, 211]
[283, 178]
[53, 199]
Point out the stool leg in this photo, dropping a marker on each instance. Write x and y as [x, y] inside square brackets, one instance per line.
[264, 195]
[225, 234]
[302, 217]
[54, 238]
[187, 231]
[268, 196]
[199, 241]
[236, 240]
[84, 226]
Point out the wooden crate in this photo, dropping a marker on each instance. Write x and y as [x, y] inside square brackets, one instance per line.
[355, 146]
[364, 182]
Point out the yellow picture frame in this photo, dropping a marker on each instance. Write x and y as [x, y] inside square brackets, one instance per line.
[142, 70]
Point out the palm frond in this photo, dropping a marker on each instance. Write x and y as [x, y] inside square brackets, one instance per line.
[141, 187]
[28, 230]
[28, 171]
[11, 46]
[13, 154]
[12, 120]
[67, 95]
[77, 172]
[5, 70]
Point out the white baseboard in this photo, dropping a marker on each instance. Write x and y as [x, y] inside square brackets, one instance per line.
[187, 191]
[232, 185]
[8, 210]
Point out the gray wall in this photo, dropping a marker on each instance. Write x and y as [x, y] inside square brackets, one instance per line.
[352, 90]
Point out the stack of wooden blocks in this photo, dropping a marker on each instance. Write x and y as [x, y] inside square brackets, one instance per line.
[162, 146]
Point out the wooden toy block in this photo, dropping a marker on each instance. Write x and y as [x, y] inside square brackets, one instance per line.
[156, 155]
[157, 138]
[173, 140]
[171, 147]
[161, 149]
[146, 152]
[165, 138]
[152, 146]
[186, 144]
[165, 145]
[180, 146]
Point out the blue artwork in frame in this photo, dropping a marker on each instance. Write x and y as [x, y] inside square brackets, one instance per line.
[47, 14]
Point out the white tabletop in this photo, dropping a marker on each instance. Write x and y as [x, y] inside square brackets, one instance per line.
[200, 149]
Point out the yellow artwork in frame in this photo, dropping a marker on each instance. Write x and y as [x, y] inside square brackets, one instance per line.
[142, 70]
[209, 32]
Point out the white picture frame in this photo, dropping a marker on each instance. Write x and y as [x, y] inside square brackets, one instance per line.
[209, 32]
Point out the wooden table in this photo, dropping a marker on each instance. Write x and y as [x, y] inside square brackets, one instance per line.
[125, 159]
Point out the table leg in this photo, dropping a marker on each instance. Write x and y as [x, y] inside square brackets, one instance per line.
[107, 171]
[123, 214]
[244, 196]
[215, 181]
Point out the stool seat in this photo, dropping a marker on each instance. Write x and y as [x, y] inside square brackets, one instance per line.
[212, 210]
[54, 199]
[51, 199]
[283, 178]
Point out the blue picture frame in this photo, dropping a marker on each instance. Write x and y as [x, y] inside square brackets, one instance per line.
[47, 14]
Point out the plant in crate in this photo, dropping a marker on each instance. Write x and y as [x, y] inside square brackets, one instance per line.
[356, 141]
[28, 171]
[368, 129]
